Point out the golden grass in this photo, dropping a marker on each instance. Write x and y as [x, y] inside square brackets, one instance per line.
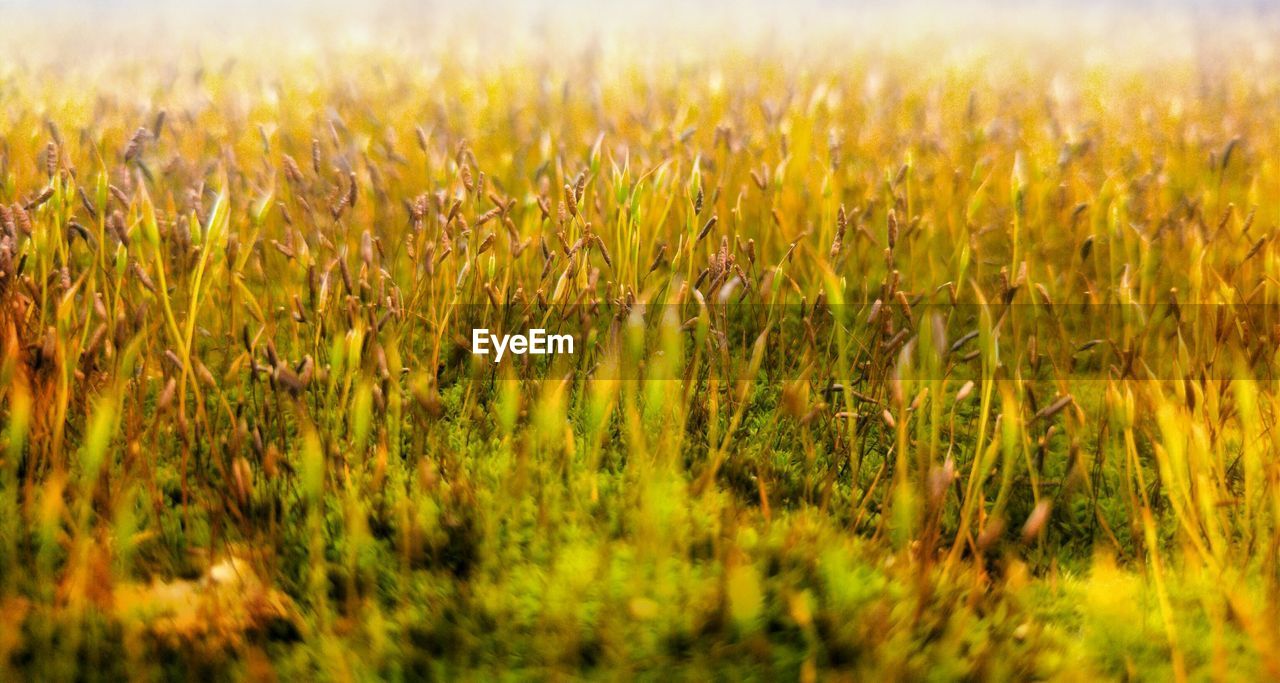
[905, 351]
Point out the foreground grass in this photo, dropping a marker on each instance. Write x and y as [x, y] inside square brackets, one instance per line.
[832, 412]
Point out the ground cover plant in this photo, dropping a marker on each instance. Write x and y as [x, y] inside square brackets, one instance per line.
[903, 349]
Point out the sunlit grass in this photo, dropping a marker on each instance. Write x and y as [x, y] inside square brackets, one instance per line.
[889, 363]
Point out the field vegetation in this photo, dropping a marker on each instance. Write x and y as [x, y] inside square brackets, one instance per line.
[902, 351]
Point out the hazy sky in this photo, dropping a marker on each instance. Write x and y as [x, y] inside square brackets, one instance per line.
[89, 23]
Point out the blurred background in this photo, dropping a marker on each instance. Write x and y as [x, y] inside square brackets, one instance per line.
[498, 26]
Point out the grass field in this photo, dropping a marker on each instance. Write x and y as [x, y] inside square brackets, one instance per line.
[907, 345]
